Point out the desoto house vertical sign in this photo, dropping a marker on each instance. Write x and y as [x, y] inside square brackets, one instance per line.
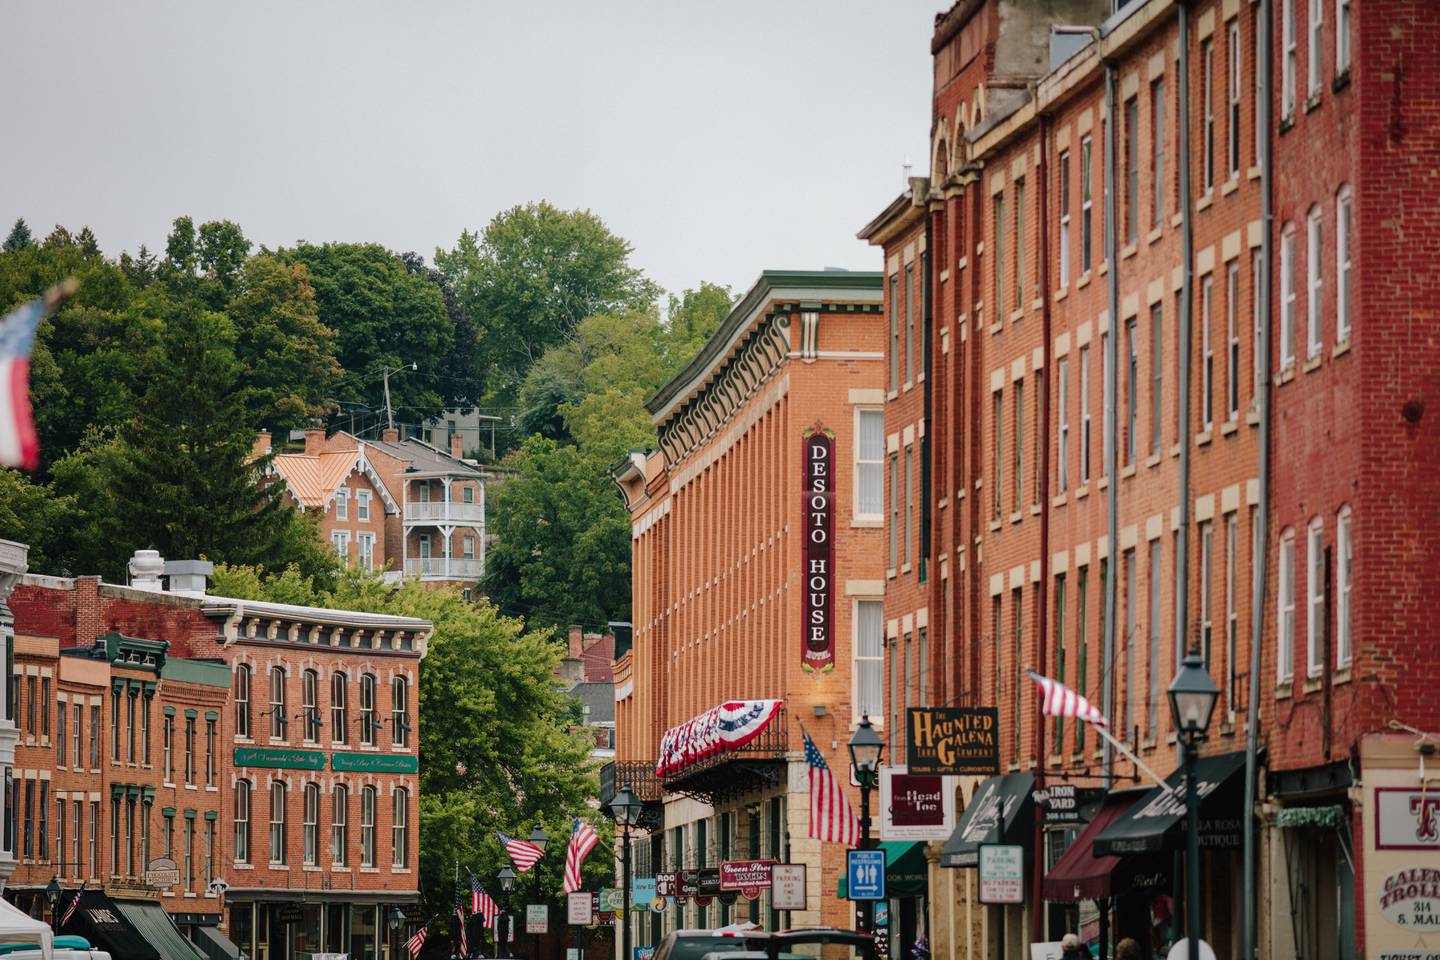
[819, 605]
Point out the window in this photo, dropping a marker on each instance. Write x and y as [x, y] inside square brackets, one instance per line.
[277, 703]
[1157, 378]
[400, 711]
[1232, 99]
[1259, 360]
[1062, 453]
[169, 834]
[895, 333]
[242, 701]
[367, 827]
[1287, 296]
[61, 734]
[342, 504]
[60, 837]
[1019, 245]
[1207, 581]
[95, 869]
[894, 512]
[189, 855]
[1064, 271]
[870, 465]
[1207, 104]
[468, 494]
[365, 545]
[1154, 694]
[190, 750]
[1086, 206]
[1081, 674]
[95, 736]
[1107, 376]
[1059, 654]
[1133, 385]
[130, 725]
[78, 743]
[997, 413]
[310, 828]
[1288, 63]
[340, 825]
[467, 547]
[1314, 283]
[77, 834]
[242, 821]
[340, 540]
[869, 659]
[167, 746]
[32, 699]
[1285, 633]
[362, 504]
[209, 752]
[367, 709]
[1342, 36]
[907, 296]
[1132, 170]
[1129, 643]
[45, 707]
[1017, 645]
[908, 556]
[1344, 570]
[400, 829]
[115, 725]
[1019, 461]
[1315, 598]
[1157, 151]
[1232, 340]
[1258, 87]
[1317, 21]
[310, 693]
[209, 856]
[1232, 615]
[145, 731]
[339, 722]
[999, 312]
[115, 836]
[1207, 355]
[277, 822]
[42, 848]
[1084, 415]
[1342, 265]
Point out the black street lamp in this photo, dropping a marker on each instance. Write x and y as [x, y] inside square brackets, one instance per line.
[506, 876]
[1192, 700]
[539, 837]
[626, 807]
[394, 917]
[52, 893]
[865, 750]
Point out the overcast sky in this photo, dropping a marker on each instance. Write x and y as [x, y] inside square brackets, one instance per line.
[719, 138]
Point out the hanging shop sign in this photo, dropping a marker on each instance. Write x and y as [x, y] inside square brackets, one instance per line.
[1407, 819]
[721, 729]
[747, 876]
[375, 762]
[1064, 802]
[787, 887]
[1002, 873]
[279, 758]
[953, 740]
[162, 872]
[1410, 898]
[707, 880]
[665, 884]
[819, 606]
[915, 806]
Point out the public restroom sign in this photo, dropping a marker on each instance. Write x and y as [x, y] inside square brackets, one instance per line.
[819, 555]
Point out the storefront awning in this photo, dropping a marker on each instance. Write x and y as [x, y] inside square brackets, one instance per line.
[215, 944]
[1156, 821]
[905, 874]
[1001, 811]
[155, 925]
[100, 921]
[1081, 875]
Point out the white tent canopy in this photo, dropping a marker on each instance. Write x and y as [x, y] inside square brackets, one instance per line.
[16, 926]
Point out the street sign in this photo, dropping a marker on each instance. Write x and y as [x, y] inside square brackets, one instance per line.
[572, 953]
[1002, 873]
[865, 874]
[536, 918]
[787, 886]
[580, 909]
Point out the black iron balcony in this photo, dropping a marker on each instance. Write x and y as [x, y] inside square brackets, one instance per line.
[752, 766]
[637, 776]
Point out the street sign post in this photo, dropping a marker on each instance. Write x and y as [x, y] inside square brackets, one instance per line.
[536, 918]
[865, 874]
[1002, 873]
[787, 886]
[581, 912]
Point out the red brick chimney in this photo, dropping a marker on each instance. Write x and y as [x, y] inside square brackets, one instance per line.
[455, 445]
[391, 435]
[314, 441]
[262, 443]
[577, 640]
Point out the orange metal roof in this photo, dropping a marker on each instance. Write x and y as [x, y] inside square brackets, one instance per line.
[313, 479]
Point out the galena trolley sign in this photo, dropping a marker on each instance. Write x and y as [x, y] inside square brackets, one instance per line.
[819, 449]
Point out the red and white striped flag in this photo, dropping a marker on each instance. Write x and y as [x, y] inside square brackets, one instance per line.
[1058, 700]
[832, 820]
[481, 902]
[523, 853]
[582, 841]
[414, 944]
[19, 447]
[70, 910]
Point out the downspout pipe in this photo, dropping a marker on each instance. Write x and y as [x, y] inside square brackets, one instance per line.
[1112, 414]
[1187, 281]
[1264, 71]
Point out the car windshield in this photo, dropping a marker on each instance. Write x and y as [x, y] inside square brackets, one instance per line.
[695, 948]
[821, 949]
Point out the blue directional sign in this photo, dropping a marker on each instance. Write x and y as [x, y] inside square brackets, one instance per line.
[865, 874]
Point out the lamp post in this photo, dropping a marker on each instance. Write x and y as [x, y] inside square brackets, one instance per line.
[540, 838]
[1192, 700]
[394, 918]
[865, 750]
[506, 876]
[52, 893]
[626, 807]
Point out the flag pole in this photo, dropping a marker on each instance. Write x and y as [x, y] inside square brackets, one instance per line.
[1127, 752]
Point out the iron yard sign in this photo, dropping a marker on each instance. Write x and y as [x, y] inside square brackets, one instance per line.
[819, 605]
[953, 740]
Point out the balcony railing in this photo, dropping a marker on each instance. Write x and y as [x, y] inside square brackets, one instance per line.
[637, 776]
[445, 511]
[757, 764]
[441, 568]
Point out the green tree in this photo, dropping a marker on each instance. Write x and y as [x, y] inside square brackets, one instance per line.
[19, 237]
[693, 316]
[32, 514]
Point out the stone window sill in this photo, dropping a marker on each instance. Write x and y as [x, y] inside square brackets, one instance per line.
[1128, 251]
[1059, 501]
[1016, 516]
[996, 327]
[1284, 690]
[994, 526]
[1312, 685]
[1083, 281]
[1341, 81]
[1314, 102]
[1061, 294]
[1081, 493]
[1154, 235]
[1206, 201]
[1204, 437]
[1342, 675]
[1253, 173]
[1252, 417]
[1017, 314]
[1341, 348]
[1312, 364]
[904, 568]
[1104, 267]
[1285, 375]
[1231, 185]
[1229, 427]
[1127, 472]
[1152, 461]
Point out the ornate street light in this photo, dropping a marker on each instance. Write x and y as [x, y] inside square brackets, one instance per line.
[539, 837]
[506, 877]
[1192, 700]
[52, 893]
[627, 808]
[866, 747]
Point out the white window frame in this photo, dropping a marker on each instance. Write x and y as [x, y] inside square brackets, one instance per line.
[1287, 297]
[310, 704]
[339, 708]
[1232, 341]
[340, 825]
[399, 828]
[1232, 613]
[1285, 614]
[1064, 271]
[367, 713]
[1344, 576]
[1207, 587]
[278, 799]
[861, 515]
[368, 800]
[1289, 83]
[1085, 445]
[279, 726]
[1232, 90]
[362, 505]
[1207, 354]
[1314, 597]
[1087, 206]
[310, 825]
[342, 503]
[467, 547]
[1316, 25]
[865, 662]
[365, 547]
[1062, 430]
[244, 792]
[244, 726]
[340, 541]
[1207, 102]
[1259, 360]
[1257, 89]
[400, 710]
[1342, 36]
[1343, 226]
[1314, 281]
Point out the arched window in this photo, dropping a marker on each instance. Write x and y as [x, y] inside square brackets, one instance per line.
[242, 700]
[339, 708]
[400, 828]
[1285, 620]
[340, 825]
[242, 821]
[367, 827]
[368, 723]
[277, 703]
[400, 711]
[311, 694]
[310, 833]
[277, 822]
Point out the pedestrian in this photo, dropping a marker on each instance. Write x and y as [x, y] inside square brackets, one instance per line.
[1070, 948]
[1127, 949]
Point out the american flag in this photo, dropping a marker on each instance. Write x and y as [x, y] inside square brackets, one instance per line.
[831, 818]
[582, 841]
[460, 917]
[414, 944]
[482, 903]
[70, 910]
[1058, 700]
[523, 853]
[19, 447]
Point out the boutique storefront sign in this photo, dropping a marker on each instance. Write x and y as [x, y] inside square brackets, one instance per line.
[818, 609]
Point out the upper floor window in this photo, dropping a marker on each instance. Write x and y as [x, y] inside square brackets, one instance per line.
[310, 692]
[362, 504]
[1342, 264]
[400, 828]
[342, 504]
[1285, 621]
[1317, 21]
[1232, 99]
[339, 714]
[277, 703]
[1287, 296]
[1314, 282]
[870, 465]
[368, 723]
[310, 829]
[1342, 36]
[242, 821]
[400, 711]
[277, 822]
[1314, 598]
[869, 659]
[340, 825]
[242, 700]
[1288, 62]
[367, 827]
[1344, 574]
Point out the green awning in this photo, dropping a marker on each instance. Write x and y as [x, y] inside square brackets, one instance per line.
[905, 874]
[155, 925]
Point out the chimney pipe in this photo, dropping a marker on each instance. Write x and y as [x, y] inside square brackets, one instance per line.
[577, 640]
[391, 435]
[314, 441]
[455, 450]
[262, 443]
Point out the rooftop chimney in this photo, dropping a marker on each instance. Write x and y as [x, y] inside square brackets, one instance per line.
[455, 450]
[188, 576]
[262, 443]
[391, 435]
[314, 441]
[577, 640]
[146, 568]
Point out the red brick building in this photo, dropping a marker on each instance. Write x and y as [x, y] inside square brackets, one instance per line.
[1071, 474]
[730, 604]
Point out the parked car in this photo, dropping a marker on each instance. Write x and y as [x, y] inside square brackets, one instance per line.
[697, 944]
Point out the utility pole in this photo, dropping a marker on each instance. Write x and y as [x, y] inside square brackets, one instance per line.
[389, 411]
